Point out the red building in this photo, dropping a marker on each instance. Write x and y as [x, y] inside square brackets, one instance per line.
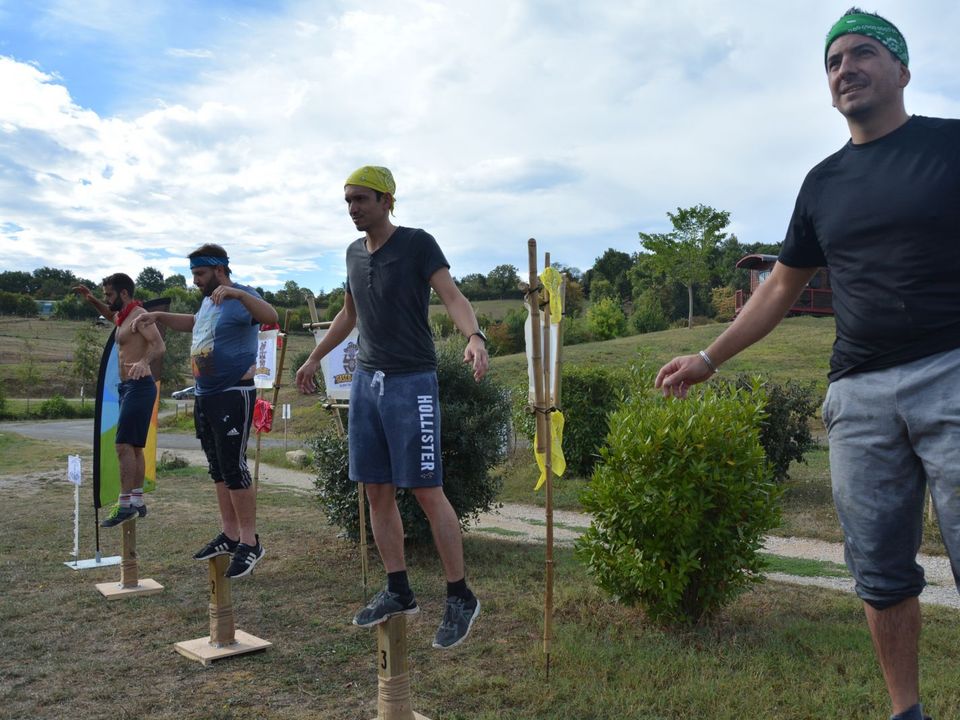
[816, 298]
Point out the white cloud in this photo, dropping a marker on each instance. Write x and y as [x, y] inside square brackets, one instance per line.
[576, 123]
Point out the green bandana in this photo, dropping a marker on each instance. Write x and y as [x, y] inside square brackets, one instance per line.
[879, 29]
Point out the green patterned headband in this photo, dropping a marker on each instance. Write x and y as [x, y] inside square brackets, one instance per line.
[872, 26]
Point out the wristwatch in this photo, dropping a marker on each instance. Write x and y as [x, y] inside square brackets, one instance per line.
[478, 334]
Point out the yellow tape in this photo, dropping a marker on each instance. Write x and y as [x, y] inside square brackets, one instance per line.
[558, 464]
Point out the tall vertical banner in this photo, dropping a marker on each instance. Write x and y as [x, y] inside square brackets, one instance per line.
[339, 364]
[106, 468]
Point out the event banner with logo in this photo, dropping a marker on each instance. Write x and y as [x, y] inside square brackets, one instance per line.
[265, 374]
[339, 365]
[106, 468]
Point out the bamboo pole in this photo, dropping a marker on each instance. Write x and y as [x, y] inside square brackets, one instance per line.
[543, 431]
[548, 471]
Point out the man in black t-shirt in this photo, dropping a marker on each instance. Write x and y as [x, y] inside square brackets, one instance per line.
[394, 420]
[883, 214]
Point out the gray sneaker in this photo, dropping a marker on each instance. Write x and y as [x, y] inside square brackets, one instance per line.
[458, 617]
[119, 515]
[383, 606]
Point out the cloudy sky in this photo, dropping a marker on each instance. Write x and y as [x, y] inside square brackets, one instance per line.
[131, 131]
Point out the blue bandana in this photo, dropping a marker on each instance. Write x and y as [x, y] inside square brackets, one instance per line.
[207, 260]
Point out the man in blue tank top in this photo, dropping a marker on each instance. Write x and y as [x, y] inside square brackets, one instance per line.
[883, 214]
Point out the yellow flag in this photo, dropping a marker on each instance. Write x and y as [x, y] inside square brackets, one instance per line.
[551, 279]
[558, 464]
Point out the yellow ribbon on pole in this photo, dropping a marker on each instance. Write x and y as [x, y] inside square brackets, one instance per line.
[558, 463]
[551, 279]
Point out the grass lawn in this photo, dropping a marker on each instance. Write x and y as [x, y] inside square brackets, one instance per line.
[779, 652]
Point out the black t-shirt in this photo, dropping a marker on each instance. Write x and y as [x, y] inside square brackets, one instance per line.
[391, 292]
[884, 216]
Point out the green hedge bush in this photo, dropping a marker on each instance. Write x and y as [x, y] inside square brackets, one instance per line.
[474, 425]
[785, 430]
[681, 501]
[588, 394]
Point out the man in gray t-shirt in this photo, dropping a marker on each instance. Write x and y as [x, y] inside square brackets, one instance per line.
[394, 425]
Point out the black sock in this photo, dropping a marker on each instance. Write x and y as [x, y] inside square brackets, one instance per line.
[459, 589]
[397, 583]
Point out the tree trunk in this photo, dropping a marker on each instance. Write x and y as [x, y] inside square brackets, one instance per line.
[689, 306]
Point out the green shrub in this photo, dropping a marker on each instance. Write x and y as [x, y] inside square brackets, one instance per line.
[606, 320]
[648, 313]
[587, 395]
[56, 407]
[473, 437]
[681, 500]
[785, 429]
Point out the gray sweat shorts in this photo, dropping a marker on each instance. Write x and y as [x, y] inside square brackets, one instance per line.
[893, 432]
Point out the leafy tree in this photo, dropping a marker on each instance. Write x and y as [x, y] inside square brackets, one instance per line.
[606, 320]
[474, 286]
[613, 266]
[150, 279]
[503, 281]
[87, 350]
[54, 283]
[176, 359]
[683, 254]
[175, 281]
[19, 282]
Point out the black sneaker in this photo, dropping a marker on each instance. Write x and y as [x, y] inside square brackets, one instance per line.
[385, 605]
[244, 558]
[119, 515]
[141, 510]
[220, 545]
[458, 618]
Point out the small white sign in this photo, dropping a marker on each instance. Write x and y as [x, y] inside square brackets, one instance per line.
[74, 474]
[266, 370]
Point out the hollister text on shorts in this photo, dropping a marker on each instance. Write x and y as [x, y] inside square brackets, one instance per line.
[427, 435]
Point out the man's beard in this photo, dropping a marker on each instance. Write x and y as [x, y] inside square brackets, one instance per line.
[207, 289]
[116, 305]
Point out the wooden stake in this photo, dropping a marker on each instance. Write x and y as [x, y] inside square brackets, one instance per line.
[548, 470]
[130, 583]
[393, 672]
[224, 639]
[533, 297]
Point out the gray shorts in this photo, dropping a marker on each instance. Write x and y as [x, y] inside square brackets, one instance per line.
[892, 432]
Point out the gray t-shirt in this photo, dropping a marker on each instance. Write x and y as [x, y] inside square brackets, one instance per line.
[391, 292]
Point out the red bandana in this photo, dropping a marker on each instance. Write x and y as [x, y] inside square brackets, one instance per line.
[127, 309]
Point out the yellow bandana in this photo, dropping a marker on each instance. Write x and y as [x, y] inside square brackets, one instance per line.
[375, 178]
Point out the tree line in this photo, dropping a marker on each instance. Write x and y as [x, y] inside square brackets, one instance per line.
[683, 276]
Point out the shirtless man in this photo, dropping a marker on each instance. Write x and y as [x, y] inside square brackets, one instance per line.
[136, 348]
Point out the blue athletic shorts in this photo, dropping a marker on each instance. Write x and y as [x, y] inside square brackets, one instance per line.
[137, 398]
[394, 429]
[223, 425]
[892, 433]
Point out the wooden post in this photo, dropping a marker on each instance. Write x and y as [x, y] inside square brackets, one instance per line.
[130, 583]
[224, 639]
[548, 472]
[222, 625]
[393, 672]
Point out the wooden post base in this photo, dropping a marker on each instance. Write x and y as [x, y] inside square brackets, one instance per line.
[116, 591]
[393, 674]
[224, 639]
[205, 652]
[130, 583]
